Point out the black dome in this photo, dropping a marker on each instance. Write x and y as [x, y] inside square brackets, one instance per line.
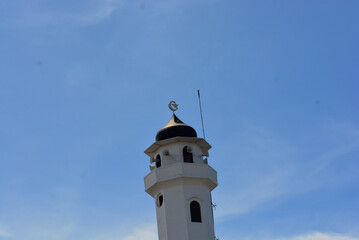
[175, 128]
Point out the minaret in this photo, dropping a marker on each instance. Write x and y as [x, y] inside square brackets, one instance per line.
[181, 182]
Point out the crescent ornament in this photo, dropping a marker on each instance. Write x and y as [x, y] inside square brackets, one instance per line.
[173, 106]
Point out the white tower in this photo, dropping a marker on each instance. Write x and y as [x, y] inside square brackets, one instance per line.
[181, 182]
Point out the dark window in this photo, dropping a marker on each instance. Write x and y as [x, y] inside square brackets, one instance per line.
[187, 155]
[159, 200]
[158, 161]
[195, 212]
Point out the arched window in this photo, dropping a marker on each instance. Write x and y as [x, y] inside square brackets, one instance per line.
[187, 155]
[195, 212]
[158, 161]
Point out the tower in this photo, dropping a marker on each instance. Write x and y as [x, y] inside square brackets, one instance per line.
[181, 182]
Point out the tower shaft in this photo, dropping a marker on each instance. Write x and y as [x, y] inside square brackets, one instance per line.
[181, 182]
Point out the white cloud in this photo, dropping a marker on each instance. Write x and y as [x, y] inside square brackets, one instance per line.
[333, 154]
[273, 167]
[346, 140]
[307, 236]
[54, 231]
[145, 233]
[251, 196]
[141, 232]
[269, 166]
[40, 14]
[321, 236]
[36, 230]
[4, 233]
[50, 218]
[103, 10]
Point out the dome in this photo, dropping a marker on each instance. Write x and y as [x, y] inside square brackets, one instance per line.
[175, 128]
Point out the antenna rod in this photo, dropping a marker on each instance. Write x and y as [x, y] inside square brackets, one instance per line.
[200, 108]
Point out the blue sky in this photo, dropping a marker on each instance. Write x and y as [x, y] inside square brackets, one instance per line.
[84, 87]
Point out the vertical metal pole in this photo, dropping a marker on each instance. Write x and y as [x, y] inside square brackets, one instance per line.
[204, 136]
[200, 108]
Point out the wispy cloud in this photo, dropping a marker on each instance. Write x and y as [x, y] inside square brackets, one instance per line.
[251, 196]
[37, 230]
[144, 233]
[141, 232]
[246, 200]
[326, 158]
[347, 141]
[103, 9]
[321, 236]
[49, 218]
[275, 167]
[4, 233]
[269, 166]
[305, 236]
[40, 14]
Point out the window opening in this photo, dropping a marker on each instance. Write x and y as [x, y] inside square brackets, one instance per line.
[159, 200]
[195, 212]
[158, 161]
[187, 155]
